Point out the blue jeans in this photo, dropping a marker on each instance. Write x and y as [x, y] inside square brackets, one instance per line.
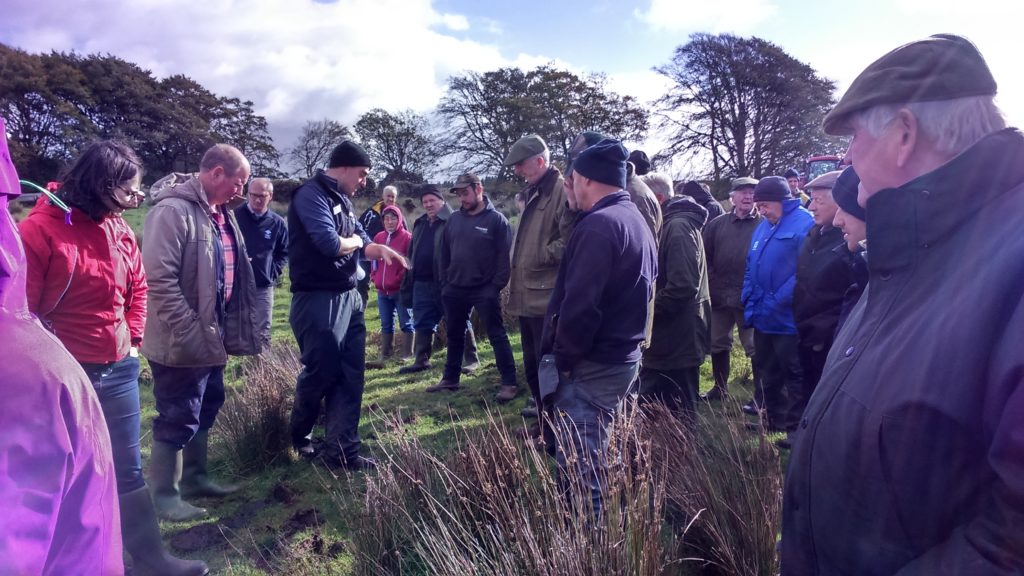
[187, 401]
[387, 306]
[427, 309]
[584, 404]
[117, 387]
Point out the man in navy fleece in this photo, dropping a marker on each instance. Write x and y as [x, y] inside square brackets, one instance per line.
[598, 311]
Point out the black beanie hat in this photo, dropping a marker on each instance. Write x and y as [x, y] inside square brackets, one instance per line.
[640, 161]
[844, 192]
[771, 189]
[425, 189]
[791, 173]
[604, 162]
[348, 153]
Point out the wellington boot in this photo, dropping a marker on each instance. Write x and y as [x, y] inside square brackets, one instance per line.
[424, 347]
[141, 536]
[387, 347]
[406, 346]
[195, 479]
[164, 476]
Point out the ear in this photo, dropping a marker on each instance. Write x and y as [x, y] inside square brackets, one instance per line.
[906, 124]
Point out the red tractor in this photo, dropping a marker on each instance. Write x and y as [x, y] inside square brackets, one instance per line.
[818, 165]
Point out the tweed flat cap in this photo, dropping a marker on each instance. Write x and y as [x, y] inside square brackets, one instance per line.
[526, 147]
[940, 67]
[826, 181]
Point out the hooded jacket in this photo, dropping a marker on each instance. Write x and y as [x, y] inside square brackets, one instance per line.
[770, 276]
[388, 279]
[57, 478]
[910, 452]
[85, 281]
[681, 335]
[188, 323]
[704, 198]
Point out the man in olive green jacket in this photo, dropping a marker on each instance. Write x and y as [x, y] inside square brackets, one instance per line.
[537, 248]
[201, 298]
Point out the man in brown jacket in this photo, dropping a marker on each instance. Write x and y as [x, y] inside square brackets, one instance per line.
[201, 291]
[537, 247]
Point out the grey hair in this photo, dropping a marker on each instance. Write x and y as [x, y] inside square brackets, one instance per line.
[545, 155]
[658, 182]
[390, 187]
[952, 126]
[265, 183]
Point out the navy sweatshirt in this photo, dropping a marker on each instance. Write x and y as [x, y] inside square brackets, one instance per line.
[604, 285]
[476, 249]
[266, 241]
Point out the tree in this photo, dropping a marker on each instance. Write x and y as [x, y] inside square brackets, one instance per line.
[314, 145]
[743, 106]
[237, 124]
[399, 144]
[486, 113]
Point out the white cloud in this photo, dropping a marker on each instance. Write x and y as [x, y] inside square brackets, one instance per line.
[296, 61]
[740, 16]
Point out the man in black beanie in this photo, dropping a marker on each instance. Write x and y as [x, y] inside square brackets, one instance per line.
[909, 457]
[598, 312]
[325, 242]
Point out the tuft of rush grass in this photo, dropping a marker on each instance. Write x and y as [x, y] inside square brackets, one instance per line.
[493, 505]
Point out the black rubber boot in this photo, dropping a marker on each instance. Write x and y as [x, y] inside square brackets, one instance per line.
[387, 348]
[424, 346]
[720, 371]
[141, 536]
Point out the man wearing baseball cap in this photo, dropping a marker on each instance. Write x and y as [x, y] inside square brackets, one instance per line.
[909, 458]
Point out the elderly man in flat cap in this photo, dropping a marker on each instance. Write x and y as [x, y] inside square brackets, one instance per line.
[910, 458]
[537, 247]
[823, 275]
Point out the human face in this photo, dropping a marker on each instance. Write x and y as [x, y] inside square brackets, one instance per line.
[531, 169]
[352, 179]
[794, 185]
[822, 207]
[390, 197]
[259, 197]
[854, 229]
[743, 200]
[390, 222]
[124, 196]
[470, 198]
[432, 205]
[772, 211]
[226, 187]
[874, 159]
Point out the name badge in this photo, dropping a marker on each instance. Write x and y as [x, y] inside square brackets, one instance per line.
[336, 209]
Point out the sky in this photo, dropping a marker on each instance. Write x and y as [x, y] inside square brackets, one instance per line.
[301, 60]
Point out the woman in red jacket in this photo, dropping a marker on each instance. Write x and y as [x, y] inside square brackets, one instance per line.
[388, 280]
[87, 285]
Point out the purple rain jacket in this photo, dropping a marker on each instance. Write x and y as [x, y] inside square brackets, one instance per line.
[57, 482]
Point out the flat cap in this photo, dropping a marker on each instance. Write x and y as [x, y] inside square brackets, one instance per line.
[526, 147]
[940, 67]
[463, 181]
[826, 181]
[743, 182]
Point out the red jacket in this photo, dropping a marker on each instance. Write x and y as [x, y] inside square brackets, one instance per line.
[85, 281]
[388, 279]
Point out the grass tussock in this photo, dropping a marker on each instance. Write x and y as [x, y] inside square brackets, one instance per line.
[253, 424]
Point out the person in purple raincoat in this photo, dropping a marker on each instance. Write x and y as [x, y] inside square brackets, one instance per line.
[57, 483]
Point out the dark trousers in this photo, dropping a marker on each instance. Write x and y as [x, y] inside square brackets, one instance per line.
[676, 389]
[781, 377]
[458, 303]
[331, 334]
[530, 332]
[187, 401]
[812, 360]
[117, 387]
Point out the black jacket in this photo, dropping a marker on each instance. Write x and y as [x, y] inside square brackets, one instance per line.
[909, 456]
[476, 250]
[420, 230]
[682, 306]
[823, 276]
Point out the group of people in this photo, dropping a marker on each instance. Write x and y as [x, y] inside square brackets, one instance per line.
[897, 377]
